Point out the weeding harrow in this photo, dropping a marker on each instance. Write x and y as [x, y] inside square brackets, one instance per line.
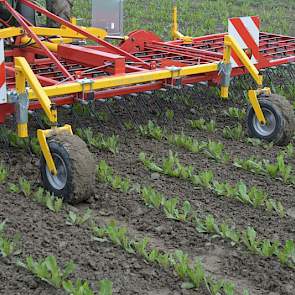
[45, 69]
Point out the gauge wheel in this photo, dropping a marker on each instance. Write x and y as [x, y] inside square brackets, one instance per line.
[75, 166]
[280, 120]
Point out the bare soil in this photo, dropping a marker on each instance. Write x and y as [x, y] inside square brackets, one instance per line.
[44, 233]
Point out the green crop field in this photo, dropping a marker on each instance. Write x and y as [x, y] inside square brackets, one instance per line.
[198, 17]
[201, 17]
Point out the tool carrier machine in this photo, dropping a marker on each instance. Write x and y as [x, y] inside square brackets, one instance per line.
[39, 68]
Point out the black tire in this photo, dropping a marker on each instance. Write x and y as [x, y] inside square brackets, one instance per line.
[76, 169]
[61, 8]
[281, 120]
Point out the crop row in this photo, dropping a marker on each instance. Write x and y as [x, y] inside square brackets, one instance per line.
[172, 208]
[48, 270]
[192, 274]
[215, 150]
[172, 167]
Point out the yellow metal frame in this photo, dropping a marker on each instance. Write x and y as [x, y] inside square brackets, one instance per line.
[42, 94]
[42, 136]
[176, 35]
[24, 73]
[62, 32]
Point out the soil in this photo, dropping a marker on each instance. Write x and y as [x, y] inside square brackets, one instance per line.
[45, 233]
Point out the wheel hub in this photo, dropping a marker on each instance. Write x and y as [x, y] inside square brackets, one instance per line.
[269, 127]
[58, 181]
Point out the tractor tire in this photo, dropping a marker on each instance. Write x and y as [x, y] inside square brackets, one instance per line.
[280, 118]
[61, 8]
[76, 169]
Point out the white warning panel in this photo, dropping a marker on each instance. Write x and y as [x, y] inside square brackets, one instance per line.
[3, 90]
[246, 32]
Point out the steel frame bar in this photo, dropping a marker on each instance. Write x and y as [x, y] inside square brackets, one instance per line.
[79, 30]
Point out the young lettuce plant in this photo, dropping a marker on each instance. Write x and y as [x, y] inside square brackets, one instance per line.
[236, 113]
[201, 124]
[3, 173]
[48, 270]
[76, 219]
[152, 130]
[192, 276]
[80, 287]
[235, 133]
[8, 247]
[48, 200]
[99, 141]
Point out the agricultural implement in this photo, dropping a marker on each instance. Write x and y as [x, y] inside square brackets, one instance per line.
[47, 68]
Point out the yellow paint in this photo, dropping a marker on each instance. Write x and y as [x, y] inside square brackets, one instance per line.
[42, 136]
[176, 35]
[224, 92]
[23, 69]
[244, 59]
[22, 130]
[127, 79]
[252, 95]
[62, 32]
[226, 59]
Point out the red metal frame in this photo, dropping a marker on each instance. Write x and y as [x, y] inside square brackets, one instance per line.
[141, 52]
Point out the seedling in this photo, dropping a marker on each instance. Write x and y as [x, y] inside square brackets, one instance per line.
[53, 203]
[236, 113]
[201, 124]
[99, 141]
[236, 133]
[3, 173]
[151, 130]
[76, 219]
[25, 187]
[47, 270]
[170, 115]
[8, 247]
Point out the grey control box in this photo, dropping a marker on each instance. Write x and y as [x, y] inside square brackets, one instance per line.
[108, 15]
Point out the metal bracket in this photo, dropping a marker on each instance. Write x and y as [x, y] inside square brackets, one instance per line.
[176, 80]
[224, 70]
[84, 82]
[42, 136]
[22, 108]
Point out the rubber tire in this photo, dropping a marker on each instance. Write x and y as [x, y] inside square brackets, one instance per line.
[80, 166]
[284, 114]
[61, 8]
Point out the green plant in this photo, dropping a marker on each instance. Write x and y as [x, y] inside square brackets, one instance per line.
[80, 287]
[25, 187]
[169, 115]
[192, 275]
[278, 169]
[76, 219]
[236, 133]
[43, 197]
[151, 130]
[215, 150]
[13, 188]
[3, 173]
[48, 270]
[8, 247]
[202, 124]
[236, 113]
[99, 141]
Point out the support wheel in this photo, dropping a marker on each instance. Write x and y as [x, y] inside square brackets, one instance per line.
[76, 169]
[280, 120]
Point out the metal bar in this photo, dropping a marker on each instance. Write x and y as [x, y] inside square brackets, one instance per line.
[128, 79]
[84, 33]
[20, 20]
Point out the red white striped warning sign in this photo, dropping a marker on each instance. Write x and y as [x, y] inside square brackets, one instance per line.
[3, 91]
[246, 31]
